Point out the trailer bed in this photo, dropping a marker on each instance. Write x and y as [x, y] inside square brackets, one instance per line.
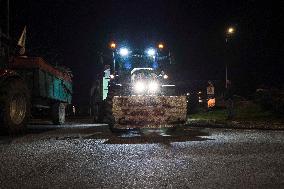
[44, 80]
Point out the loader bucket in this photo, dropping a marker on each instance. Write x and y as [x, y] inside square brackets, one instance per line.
[148, 111]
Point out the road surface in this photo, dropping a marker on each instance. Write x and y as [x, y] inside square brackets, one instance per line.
[90, 156]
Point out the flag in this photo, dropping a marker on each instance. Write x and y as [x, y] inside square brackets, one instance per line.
[22, 42]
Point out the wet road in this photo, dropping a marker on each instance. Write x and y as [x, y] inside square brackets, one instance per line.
[90, 156]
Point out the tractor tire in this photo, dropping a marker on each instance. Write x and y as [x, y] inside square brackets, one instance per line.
[58, 113]
[108, 117]
[15, 106]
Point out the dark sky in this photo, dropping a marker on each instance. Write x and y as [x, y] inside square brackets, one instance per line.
[74, 31]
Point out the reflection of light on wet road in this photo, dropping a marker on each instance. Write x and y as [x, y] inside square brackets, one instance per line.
[100, 133]
[164, 135]
[130, 134]
[151, 136]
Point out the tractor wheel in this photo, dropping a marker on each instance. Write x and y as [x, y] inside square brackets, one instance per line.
[14, 106]
[108, 114]
[58, 113]
[108, 117]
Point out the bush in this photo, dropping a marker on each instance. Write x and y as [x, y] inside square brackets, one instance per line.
[271, 100]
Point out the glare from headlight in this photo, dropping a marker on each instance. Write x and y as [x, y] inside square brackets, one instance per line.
[123, 51]
[139, 87]
[151, 52]
[153, 86]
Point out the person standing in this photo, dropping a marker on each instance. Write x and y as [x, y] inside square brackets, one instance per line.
[210, 95]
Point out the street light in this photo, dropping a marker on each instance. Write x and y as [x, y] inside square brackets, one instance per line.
[230, 31]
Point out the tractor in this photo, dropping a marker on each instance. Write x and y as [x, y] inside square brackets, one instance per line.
[136, 91]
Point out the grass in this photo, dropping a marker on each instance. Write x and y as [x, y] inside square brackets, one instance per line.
[249, 113]
[216, 115]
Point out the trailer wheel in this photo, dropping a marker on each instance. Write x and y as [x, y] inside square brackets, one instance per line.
[14, 106]
[58, 113]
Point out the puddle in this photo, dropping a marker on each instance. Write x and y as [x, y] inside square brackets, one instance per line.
[142, 136]
[145, 136]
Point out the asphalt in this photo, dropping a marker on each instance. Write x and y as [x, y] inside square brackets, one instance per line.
[90, 156]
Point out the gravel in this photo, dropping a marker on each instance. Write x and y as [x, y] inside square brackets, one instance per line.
[93, 157]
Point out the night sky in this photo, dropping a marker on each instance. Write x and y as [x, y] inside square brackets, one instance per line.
[72, 32]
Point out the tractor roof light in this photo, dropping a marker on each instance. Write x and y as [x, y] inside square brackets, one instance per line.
[123, 52]
[151, 52]
[161, 46]
[112, 45]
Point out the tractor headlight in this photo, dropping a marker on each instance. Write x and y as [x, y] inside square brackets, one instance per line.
[139, 87]
[151, 52]
[153, 87]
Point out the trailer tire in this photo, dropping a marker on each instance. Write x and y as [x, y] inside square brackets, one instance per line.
[14, 106]
[58, 113]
